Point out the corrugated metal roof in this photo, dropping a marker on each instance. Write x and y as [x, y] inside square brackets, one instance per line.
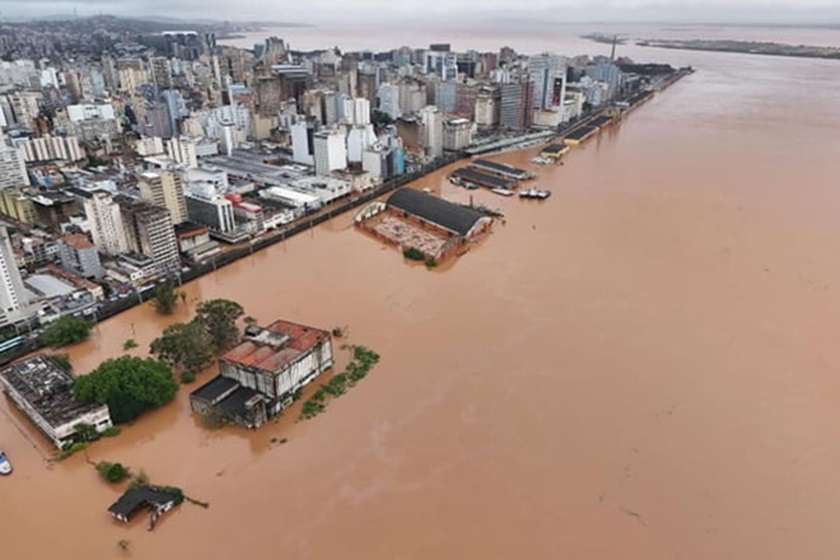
[447, 215]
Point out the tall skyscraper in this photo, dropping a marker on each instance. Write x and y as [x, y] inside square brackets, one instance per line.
[12, 166]
[164, 189]
[432, 120]
[149, 231]
[517, 105]
[14, 305]
[389, 100]
[106, 224]
[548, 72]
[357, 111]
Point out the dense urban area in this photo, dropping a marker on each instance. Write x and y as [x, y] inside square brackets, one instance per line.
[132, 154]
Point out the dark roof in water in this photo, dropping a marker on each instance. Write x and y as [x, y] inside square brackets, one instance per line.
[579, 133]
[137, 498]
[234, 404]
[483, 179]
[447, 215]
[502, 168]
[214, 388]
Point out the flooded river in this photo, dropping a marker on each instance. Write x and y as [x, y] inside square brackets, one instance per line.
[643, 366]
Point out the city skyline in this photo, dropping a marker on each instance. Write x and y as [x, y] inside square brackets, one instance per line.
[822, 12]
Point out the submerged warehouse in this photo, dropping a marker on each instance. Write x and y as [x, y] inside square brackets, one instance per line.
[418, 220]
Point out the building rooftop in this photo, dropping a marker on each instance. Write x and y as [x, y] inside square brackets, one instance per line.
[47, 388]
[447, 215]
[485, 179]
[48, 286]
[580, 133]
[500, 168]
[78, 241]
[274, 346]
[214, 388]
[238, 403]
[135, 499]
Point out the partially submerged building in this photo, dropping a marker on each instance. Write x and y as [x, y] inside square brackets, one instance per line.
[260, 376]
[415, 219]
[44, 392]
[157, 499]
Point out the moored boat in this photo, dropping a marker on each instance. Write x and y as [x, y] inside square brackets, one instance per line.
[502, 192]
[5, 464]
[538, 194]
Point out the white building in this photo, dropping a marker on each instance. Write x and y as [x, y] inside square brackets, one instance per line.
[457, 134]
[183, 150]
[357, 111]
[44, 392]
[389, 100]
[432, 120]
[106, 224]
[359, 139]
[548, 72]
[330, 151]
[302, 148]
[149, 146]
[14, 302]
[293, 198]
[205, 206]
[12, 167]
[90, 111]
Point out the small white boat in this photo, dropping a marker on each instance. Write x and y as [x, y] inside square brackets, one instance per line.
[5, 464]
[502, 192]
[534, 193]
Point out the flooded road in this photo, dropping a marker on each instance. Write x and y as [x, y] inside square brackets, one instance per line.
[643, 366]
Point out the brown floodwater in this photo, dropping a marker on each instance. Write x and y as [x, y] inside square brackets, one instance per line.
[643, 366]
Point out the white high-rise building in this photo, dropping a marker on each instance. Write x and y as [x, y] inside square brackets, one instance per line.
[163, 188]
[432, 120]
[330, 151]
[548, 72]
[149, 231]
[302, 150]
[12, 167]
[14, 304]
[389, 100]
[359, 139]
[106, 225]
[357, 111]
[183, 150]
[49, 148]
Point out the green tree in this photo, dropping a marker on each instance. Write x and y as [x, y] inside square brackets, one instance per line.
[185, 346]
[219, 317]
[86, 432]
[165, 298]
[128, 385]
[63, 361]
[66, 330]
[112, 472]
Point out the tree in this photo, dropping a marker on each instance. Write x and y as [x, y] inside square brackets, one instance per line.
[186, 346]
[128, 385]
[112, 472]
[165, 298]
[66, 330]
[219, 317]
[86, 432]
[63, 361]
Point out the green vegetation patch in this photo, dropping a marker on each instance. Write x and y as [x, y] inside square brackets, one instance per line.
[360, 365]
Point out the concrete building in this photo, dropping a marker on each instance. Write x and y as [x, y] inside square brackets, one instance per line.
[412, 96]
[389, 100]
[359, 138]
[432, 120]
[150, 232]
[516, 111]
[446, 96]
[48, 148]
[357, 111]
[17, 204]
[548, 73]
[44, 392]
[78, 254]
[260, 376]
[209, 208]
[457, 134]
[106, 224]
[12, 167]
[303, 142]
[330, 151]
[442, 64]
[164, 189]
[487, 106]
[14, 302]
[183, 150]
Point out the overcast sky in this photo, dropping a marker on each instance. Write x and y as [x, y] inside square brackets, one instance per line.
[315, 11]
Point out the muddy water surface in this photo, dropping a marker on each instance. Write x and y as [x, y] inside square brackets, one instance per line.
[643, 366]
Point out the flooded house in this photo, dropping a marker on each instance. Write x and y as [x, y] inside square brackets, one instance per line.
[259, 377]
[158, 500]
[44, 392]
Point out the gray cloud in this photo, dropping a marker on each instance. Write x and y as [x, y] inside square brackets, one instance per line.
[816, 11]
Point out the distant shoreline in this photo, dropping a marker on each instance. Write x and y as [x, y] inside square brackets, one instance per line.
[746, 47]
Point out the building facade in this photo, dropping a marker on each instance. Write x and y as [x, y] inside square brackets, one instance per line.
[330, 151]
[14, 303]
[150, 232]
[163, 188]
[106, 223]
[78, 254]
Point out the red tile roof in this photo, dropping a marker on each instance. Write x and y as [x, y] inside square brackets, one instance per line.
[302, 339]
[77, 240]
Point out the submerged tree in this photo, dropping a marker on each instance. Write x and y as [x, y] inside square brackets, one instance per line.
[219, 317]
[165, 298]
[66, 330]
[184, 346]
[128, 385]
